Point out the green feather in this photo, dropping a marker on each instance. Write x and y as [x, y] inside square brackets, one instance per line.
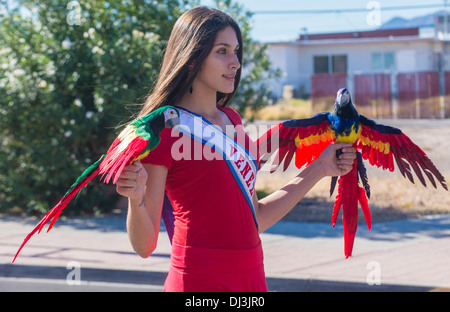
[149, 127]
[86, 173]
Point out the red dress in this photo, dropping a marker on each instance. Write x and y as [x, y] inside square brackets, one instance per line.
[215, 245]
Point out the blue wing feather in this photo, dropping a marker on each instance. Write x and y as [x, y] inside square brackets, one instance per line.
[314, 120]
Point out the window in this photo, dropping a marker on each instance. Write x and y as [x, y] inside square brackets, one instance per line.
[389, 60]
[377, 61]
[339, 63]
[321, 64]
[330, 64]
[384, 60]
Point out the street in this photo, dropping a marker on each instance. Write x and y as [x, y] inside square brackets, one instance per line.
[19, 284]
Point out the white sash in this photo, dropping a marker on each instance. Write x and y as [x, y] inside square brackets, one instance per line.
[241, 162]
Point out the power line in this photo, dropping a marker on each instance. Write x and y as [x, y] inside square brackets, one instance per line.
[350, 10]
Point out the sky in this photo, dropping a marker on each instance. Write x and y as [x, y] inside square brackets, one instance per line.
[324, 16]
[342, 18]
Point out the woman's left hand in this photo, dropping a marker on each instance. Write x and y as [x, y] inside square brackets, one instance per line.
[333, 166]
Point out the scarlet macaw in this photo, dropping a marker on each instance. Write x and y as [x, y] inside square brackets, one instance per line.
[133, 143]
[379, 144]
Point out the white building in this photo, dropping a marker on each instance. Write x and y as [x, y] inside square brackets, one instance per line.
[390, 51]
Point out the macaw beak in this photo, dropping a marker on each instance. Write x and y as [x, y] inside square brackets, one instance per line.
[172, 122]
[342, 99]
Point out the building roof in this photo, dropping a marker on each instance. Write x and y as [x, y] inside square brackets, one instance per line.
[361, 37]
[384, 33]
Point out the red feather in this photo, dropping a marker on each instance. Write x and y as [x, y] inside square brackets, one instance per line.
[116, 159]
[306, 139]
[362, 198]
[54, 213]
[349, 194]
[111, 165]
[380, 149]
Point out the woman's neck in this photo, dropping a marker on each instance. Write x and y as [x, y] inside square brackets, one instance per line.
[205, 106]
[200, 103]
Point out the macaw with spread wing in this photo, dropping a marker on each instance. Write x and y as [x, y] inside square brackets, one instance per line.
[134, 143]
[379, 144]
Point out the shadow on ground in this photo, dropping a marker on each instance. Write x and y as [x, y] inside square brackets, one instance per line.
[320, 209]
[436, 226]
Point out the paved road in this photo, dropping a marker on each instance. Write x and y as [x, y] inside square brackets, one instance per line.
[410, 255]
[17, 284]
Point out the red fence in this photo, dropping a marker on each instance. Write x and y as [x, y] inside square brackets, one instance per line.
[407, 94]
[373, 94]
[417, 95]
[324, 88]
[447, 94]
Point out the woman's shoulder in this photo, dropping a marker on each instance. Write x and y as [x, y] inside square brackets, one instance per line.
[162, 153]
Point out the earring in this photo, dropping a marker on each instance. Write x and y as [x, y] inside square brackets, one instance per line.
[190, 90]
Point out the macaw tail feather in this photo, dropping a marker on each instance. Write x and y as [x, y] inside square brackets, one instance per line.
[362, 174]
[333, 185]
[349, 194]
[364, 193]
[54, 213]
[365, 207]
[347, 197]
[337, 206]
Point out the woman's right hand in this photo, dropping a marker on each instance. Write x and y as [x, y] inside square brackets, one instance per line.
[132, 181]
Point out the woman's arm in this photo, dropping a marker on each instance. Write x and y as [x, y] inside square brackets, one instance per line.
[272, 208]
[144, 186]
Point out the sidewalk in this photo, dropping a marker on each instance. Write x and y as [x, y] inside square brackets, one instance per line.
[410, 255]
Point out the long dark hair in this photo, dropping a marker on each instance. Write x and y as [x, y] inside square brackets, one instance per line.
[191, 40]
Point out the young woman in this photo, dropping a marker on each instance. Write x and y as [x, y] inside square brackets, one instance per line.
[216, 244]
